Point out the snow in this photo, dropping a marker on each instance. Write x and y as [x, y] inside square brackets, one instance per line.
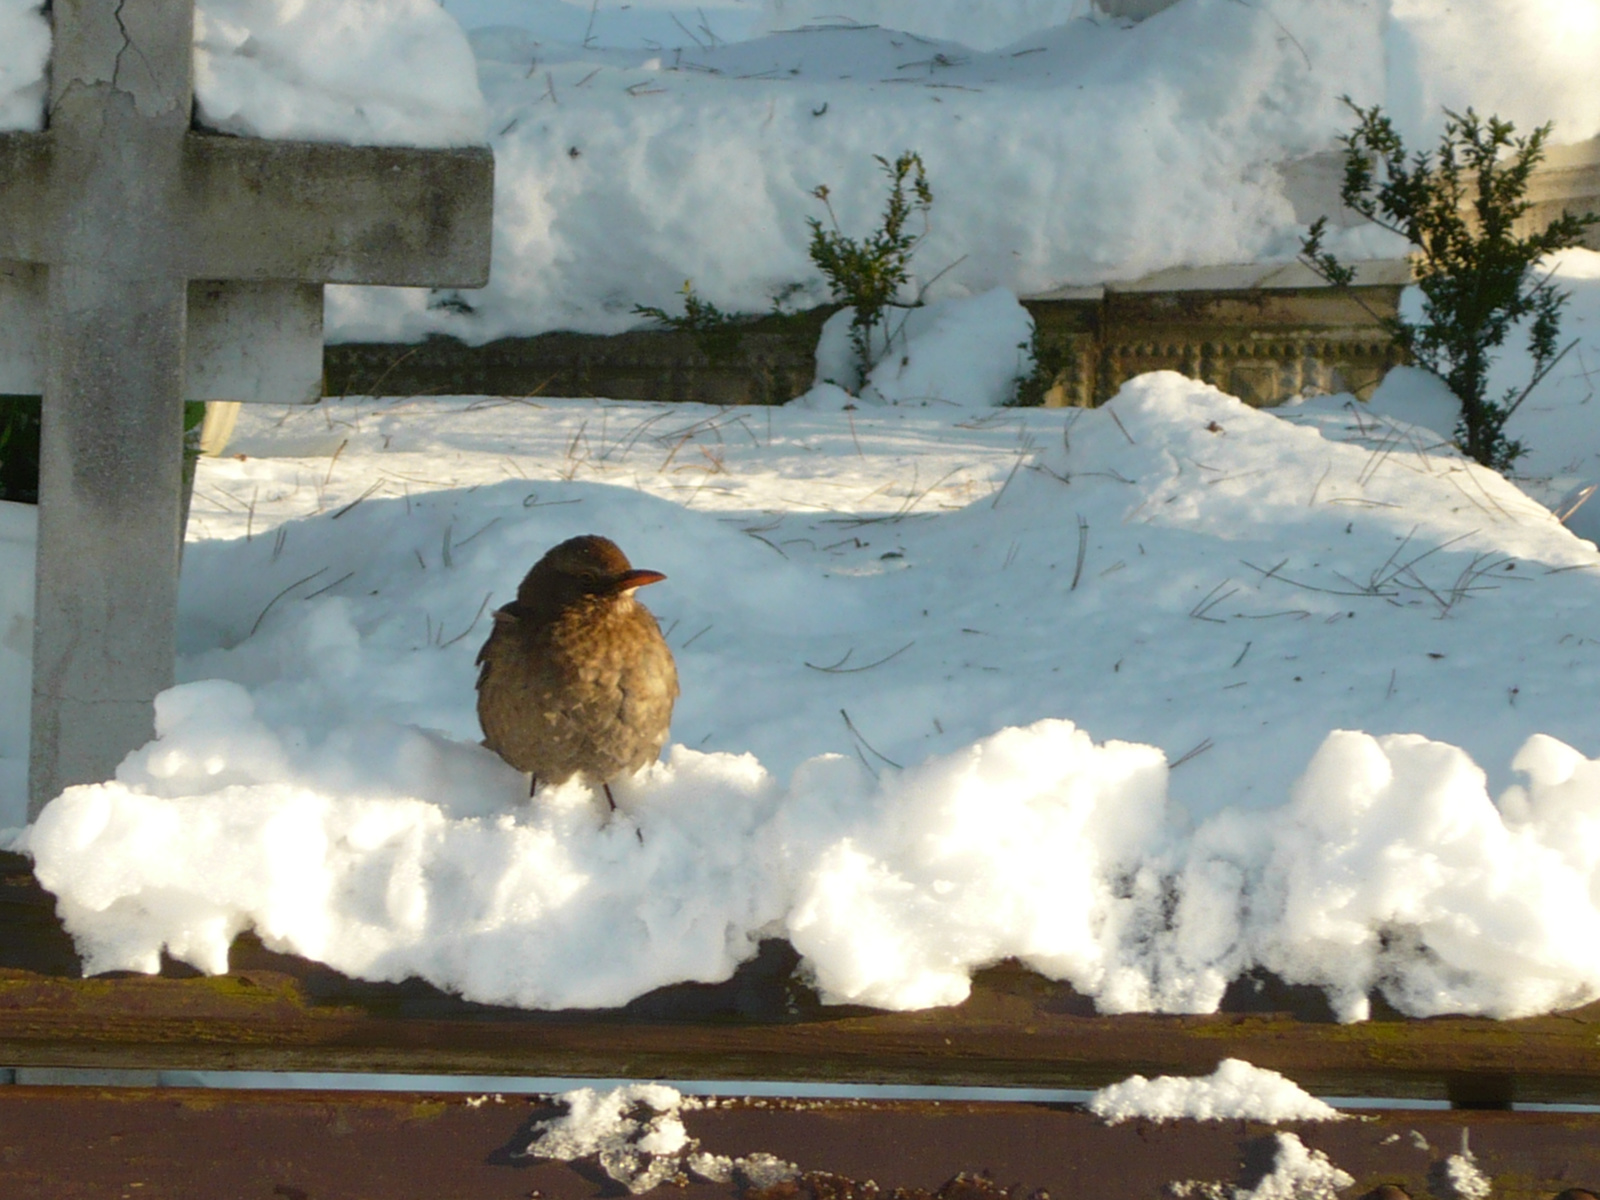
[374, 72]
[1145, 697]
[1460, 1178]
[637, 1151]
[24, 54]
[1064, 147]
[641, 145]
[968, 350]
[1236, 1090]
[635, 1134]
[1298, 1173]
[368, 72]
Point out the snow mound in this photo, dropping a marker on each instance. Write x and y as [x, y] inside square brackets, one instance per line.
[24, 55]
[1390, 869]
[966, 351]
[1236, 1090]
[366, 72]
[1063, 147]
[882, 617]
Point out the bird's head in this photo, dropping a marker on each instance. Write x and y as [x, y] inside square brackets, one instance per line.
[582, 566]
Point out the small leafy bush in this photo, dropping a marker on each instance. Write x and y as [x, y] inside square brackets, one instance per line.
[868, 274]
[699, 317]
[1476, 275]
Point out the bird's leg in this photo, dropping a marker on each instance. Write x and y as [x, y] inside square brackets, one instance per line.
[533, 785]
[609, 799]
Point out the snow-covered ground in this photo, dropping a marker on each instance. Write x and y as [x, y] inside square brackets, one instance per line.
[1064, 146]
[639, 145]
[1143, 696]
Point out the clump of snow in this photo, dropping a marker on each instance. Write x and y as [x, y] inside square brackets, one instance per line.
[24, 55]
[1298, 1173]
[1458, 1177]
[637, 1150]
[1012, 849]
[972, 350]
[1236, 1090]
[373, 72]
[635, 1133]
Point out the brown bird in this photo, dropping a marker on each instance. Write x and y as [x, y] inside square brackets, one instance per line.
[576, 678]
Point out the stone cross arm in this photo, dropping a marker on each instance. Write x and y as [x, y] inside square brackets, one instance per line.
[308, 211]
[122, 204]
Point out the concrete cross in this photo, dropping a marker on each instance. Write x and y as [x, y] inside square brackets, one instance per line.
[124, 204]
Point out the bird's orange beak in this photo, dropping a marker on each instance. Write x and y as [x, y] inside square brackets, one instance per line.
[629, 580]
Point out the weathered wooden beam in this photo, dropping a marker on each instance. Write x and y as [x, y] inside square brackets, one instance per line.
[330, 1145]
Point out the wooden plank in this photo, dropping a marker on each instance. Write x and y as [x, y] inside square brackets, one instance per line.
[275, 1012]
[189, 1142]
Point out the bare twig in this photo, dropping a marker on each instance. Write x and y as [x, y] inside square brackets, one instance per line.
[1112, 413]
[839, 668]
[1083, 550]
[1194, 753]
[280, 596]
[352, 503]
[851, 726]
[332, 461]
[483, 529]
[1210, 600]
[473, 625]
[329, 587]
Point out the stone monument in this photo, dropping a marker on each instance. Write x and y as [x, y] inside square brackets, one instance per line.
[125, 214]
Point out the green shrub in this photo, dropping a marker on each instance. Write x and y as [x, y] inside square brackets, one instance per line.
[19, 449]
[699, 318]
[1476, 276]
[868, 275]
[19, 446]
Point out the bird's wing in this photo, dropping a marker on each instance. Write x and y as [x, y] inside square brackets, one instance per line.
[504, 619]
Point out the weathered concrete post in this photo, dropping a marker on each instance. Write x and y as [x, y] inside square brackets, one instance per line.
[124, 205]
[110, 464]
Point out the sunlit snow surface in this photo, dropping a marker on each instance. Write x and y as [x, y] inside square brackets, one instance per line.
[24, 54]
[373, 72]
[959, 684]
[1083, 149]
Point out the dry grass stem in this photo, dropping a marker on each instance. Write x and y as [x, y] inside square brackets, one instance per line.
[839, 668]
[280, 596]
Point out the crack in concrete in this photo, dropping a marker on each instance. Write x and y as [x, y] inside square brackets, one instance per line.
[127, 44]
